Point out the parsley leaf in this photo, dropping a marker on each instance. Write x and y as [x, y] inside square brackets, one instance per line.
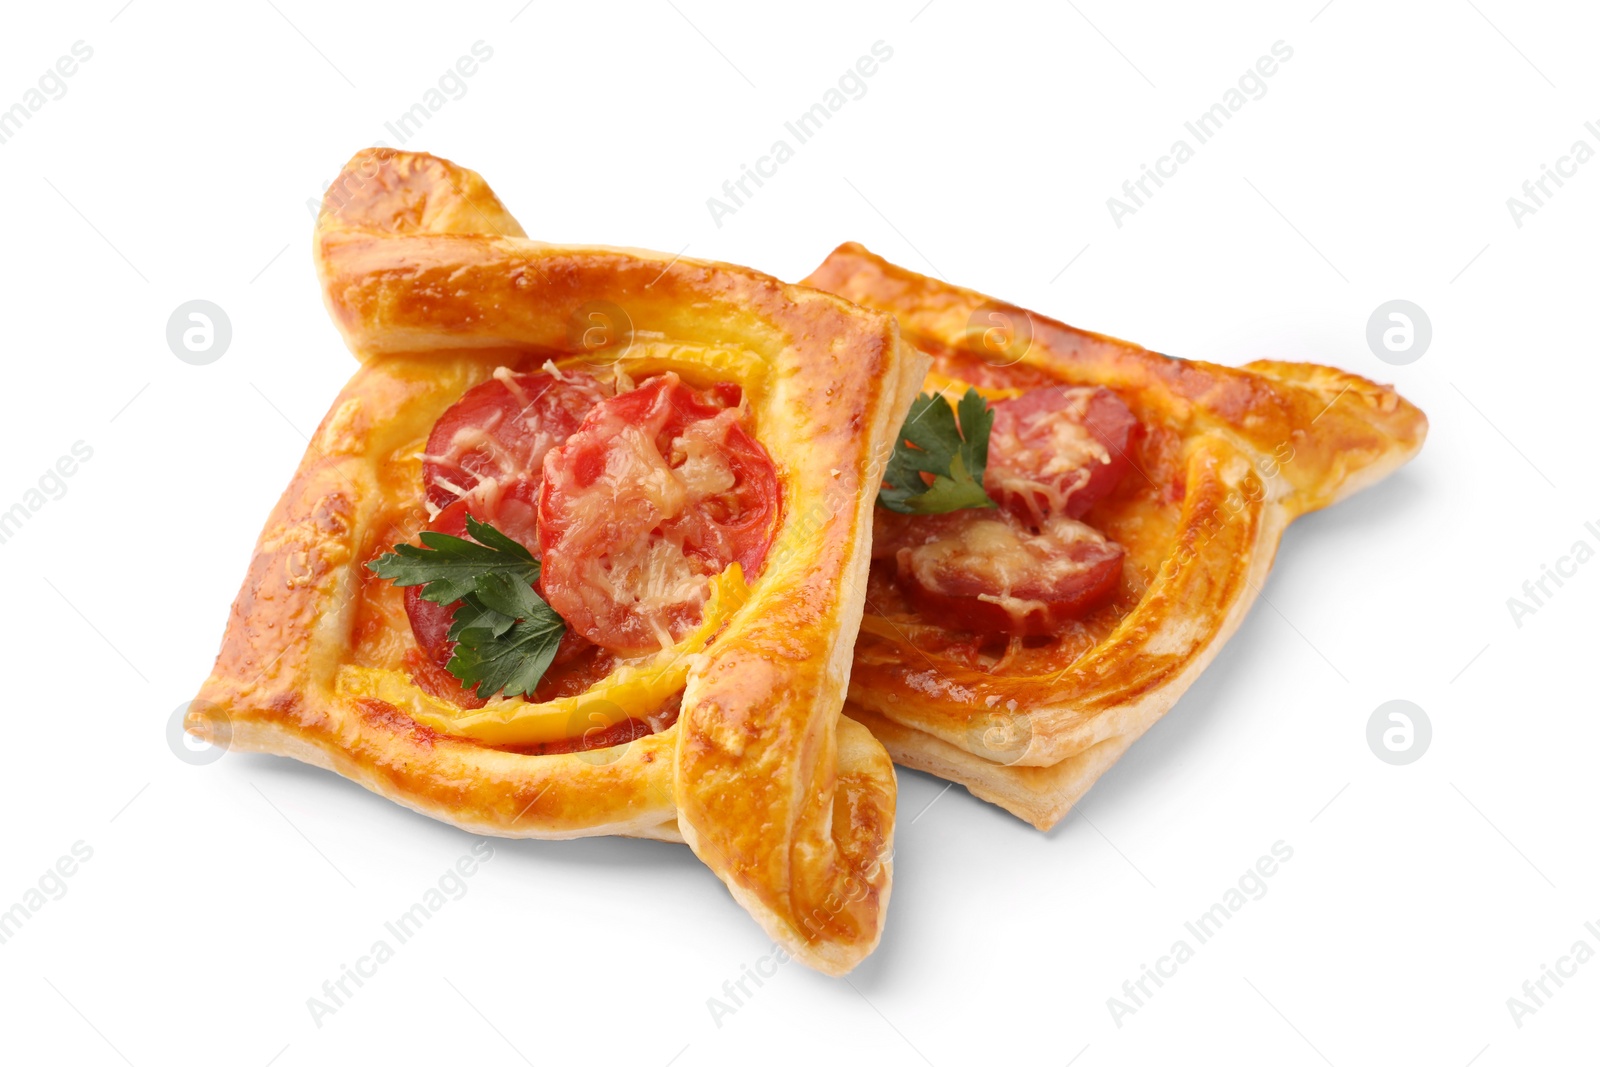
[512, 660]
[449, 566]
[932, 443]
[505, 634]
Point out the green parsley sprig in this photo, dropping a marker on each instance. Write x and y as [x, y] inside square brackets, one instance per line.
[505, 634]
[955, 455]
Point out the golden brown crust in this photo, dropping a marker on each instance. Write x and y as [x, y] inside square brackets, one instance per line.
[433, 287]
[1233, 456]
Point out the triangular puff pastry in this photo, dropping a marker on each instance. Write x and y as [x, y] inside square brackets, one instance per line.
[436, 289]
[1226, 460]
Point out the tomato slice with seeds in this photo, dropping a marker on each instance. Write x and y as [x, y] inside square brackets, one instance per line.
[659, 489]
[501, 429]
[1056, 451]
[989, 572]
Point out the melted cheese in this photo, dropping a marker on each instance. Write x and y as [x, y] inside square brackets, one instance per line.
[445, 483]
[989, 551]
[656, 575]
[1002, 558]
[634, 466]
[656, 581]
[1044, 478]
[508, 378]
[475, 438]
[1071, 444]
[704, 466]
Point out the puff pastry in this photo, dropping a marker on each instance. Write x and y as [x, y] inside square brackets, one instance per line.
[435, 287]
[1228, 458]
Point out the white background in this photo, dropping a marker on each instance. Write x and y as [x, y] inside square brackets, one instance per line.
[1377, 166]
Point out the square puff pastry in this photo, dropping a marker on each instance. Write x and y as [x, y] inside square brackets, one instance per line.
[433, 286]
[1229, 458]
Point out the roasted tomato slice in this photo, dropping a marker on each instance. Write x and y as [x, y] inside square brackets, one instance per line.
[501, 430]
[988, 572]
[1056, 451]
[511, 511]
[657, 491]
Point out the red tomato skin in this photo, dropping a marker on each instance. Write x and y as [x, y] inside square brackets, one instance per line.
[525, 416]
[1058, 424]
